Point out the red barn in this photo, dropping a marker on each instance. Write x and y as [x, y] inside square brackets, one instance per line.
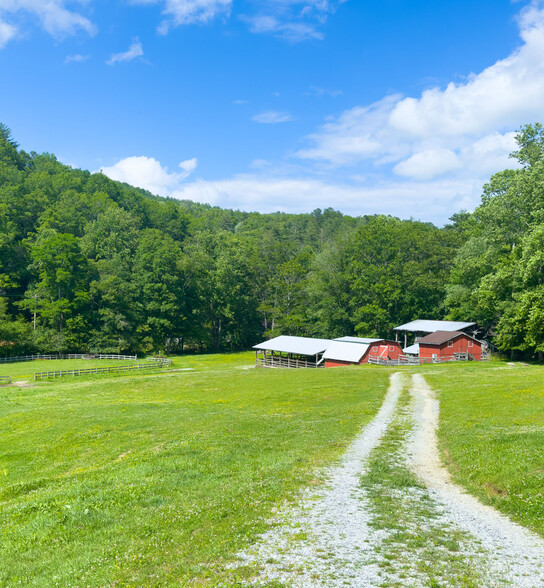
[348, 352]
[442, 345]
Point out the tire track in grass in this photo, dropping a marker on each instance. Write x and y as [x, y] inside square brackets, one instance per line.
[326, 540]
[419, 546]
[516, 553]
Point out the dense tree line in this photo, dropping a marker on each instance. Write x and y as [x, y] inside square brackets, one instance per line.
[90, 264]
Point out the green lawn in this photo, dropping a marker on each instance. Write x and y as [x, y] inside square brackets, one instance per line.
[492, 434]
[158, 480]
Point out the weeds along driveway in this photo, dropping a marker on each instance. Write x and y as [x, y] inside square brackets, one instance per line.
[389, 515]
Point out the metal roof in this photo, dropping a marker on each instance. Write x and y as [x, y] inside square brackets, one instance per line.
[298, 345]
[412, 349]
[440, 337]
[363, 340]
[424, 326]
[342, 351]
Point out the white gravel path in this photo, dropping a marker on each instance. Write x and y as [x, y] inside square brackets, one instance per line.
[326, 540]
[516, 553]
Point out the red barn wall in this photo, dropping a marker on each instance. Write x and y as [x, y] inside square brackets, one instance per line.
[459, 345]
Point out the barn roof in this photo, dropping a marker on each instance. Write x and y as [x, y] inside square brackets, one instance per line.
[412, 349]
[345, 351]
[439, 337]
[363, 340]
[425, 326]
[297, 345]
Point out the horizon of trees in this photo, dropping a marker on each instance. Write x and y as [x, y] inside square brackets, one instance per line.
[90, 264]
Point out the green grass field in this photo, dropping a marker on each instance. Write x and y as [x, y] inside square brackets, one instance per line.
[158, 480]
[492, 434]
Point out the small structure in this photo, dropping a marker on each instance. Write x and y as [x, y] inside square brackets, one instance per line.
[427, 326]
[291, 352]
[449, 346]
[351, 350]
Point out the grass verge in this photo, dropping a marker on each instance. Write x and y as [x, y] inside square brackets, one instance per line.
[492, 435]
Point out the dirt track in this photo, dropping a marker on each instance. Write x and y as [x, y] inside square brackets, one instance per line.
[358, 533]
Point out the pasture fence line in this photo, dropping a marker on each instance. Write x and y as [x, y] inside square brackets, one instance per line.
[98, 370]
[162, 360]
[5, 379]
[407, 360]
[20, 358]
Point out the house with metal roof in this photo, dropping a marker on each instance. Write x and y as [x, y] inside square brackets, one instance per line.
[289, 351]
[449, 346]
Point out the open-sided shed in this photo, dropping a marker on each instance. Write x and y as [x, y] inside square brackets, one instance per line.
[422, 326]
[289, 351]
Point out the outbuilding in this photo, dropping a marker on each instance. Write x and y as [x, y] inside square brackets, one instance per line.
[449, 346]
[358, 350]
[291, 352]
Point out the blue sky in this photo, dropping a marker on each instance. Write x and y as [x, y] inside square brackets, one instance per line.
[402, 107]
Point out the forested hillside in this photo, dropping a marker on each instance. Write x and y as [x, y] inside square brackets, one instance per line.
[90, 264]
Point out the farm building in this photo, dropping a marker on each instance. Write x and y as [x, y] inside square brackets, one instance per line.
[445, 345]
[356, 350]
[422, 327]
[288, 351]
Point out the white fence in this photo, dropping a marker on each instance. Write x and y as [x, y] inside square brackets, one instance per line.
[98, 370]
[19, 358]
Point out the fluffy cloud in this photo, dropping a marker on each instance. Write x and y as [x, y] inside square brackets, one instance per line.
[7, 32]
[134, 51]
[148, 173]
[57, 20]
[460, 127]
[182, 12]
[272, 117]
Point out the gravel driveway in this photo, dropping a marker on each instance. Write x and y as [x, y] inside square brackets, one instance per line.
[336, 535]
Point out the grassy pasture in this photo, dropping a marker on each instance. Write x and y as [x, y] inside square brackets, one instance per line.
[492, 434]
[158, 480]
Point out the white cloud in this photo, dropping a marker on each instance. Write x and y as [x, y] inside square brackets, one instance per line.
[463, 127]
[428, 164]
[427, 201]
[7, 32]
[292, 20]
[183, 12]
[290, 31]
[272, 117]
[52, 15]
[78, 58]
[134, 51]
[316, 91]
[148, 173]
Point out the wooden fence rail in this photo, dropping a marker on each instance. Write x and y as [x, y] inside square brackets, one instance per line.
[98, 370]
[19, 358]
[5, 379]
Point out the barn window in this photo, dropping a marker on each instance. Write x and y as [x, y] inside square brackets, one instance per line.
[374, 349]
[391, 349]
[450, 343]
[470, 343]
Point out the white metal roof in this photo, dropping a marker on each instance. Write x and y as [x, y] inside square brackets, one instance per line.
[298, 345]
[412, 349]
[342, 351]
[432, 326]
[363, 340]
